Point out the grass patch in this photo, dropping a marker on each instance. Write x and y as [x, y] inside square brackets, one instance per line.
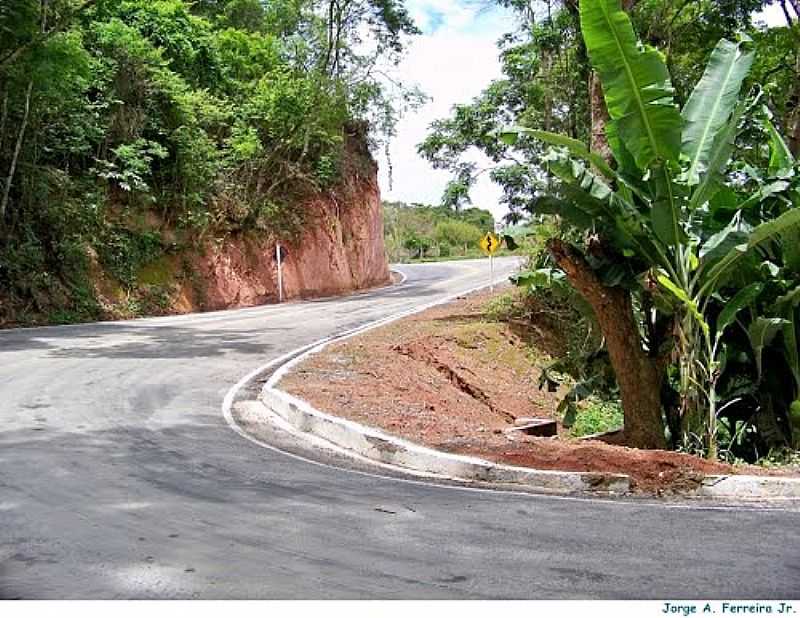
[779, 458]
[503, 307]
[159, 272]
[596, 416]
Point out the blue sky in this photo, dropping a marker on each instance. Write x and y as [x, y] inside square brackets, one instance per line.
[453, 60]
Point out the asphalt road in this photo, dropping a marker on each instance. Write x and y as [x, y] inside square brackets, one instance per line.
[119, 478]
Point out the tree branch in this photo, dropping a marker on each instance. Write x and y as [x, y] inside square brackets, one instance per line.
[15, 157]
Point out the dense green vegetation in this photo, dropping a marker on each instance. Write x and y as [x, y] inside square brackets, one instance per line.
[132, 128]
[681, 235]
[547, 83]
[418, 231]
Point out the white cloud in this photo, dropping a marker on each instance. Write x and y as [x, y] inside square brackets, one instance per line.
[452, 62]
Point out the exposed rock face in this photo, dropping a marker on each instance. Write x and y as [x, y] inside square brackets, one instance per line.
[340, 250]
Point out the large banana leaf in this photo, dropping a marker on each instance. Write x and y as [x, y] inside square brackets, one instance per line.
[589, 202]
[780, 159]
[786, 307]
[792, 350]
[791, 347]
[743, 298]
[585, 212]
[718, 245]
[666, 212]
[711, 104]
[576, 148]
[579, 216]
[625, 181]
[573, 172]
[636, 84]
[625, 161]
[767, 231]
[711, 180]
[761, 333]
[791, 250]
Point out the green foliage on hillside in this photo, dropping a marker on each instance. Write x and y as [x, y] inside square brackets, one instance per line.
[417, 231]
[121, 118]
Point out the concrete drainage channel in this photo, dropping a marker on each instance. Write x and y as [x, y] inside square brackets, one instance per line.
[372, 445]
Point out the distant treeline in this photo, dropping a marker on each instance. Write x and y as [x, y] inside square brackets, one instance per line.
[417, 231]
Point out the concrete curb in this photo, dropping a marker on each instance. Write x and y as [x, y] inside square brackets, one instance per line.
[374, 445]
[400, 273]
[385, 449]
[749, 487]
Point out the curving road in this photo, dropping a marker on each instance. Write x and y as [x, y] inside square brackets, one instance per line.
[119, 478]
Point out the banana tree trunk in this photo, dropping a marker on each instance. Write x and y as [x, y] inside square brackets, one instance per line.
[597, 106]
[638, 375]
[792, 120]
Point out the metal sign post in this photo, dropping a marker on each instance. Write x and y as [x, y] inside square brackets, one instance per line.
[491, 273]
[279, 260]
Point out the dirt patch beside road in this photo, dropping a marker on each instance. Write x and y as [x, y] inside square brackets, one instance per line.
[452, 379]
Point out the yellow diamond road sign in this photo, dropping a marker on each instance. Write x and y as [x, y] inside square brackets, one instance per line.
[490, 244]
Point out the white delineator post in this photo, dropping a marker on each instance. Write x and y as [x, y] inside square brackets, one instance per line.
[280, 271]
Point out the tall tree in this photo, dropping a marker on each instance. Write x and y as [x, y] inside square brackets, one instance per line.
[663, 222]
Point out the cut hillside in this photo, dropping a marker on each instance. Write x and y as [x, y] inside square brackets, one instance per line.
[142, 265]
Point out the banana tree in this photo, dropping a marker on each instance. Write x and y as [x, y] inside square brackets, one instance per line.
[664, 207]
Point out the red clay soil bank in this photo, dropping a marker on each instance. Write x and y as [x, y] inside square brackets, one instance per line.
[452, 380]
[341, 251]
